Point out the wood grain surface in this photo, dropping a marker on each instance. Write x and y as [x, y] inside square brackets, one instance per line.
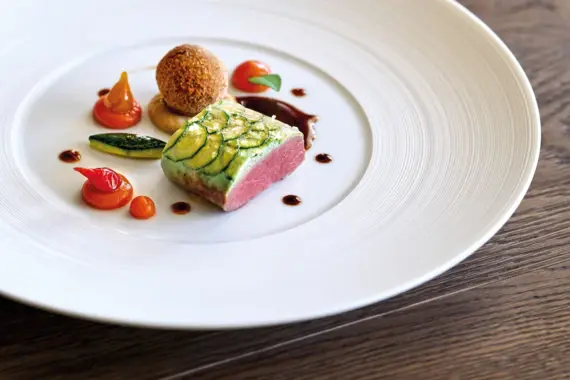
[501, 314]
[514, 329]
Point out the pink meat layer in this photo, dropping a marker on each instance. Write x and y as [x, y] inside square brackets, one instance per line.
[281, 162]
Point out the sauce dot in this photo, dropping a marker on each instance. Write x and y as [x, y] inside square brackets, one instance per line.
[70, 156]
[284, 112]
[103, 91]
[181, 208]
[291, 200]
[323, 158]
[299, 92]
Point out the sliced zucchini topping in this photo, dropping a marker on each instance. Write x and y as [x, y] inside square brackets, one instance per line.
[237, 126]
[223, 137]
[234, 166]
[173, 139]
[191, 140]
[253, 139]
[207, 153]
[222, 161]
[215, 120]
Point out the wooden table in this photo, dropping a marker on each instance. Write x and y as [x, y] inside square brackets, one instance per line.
[502, 314]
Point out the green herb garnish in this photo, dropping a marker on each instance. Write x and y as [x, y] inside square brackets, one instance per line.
[271, 80]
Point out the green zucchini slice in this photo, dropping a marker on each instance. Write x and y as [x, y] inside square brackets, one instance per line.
[252, 116]
[253, 138]
[237, 126]
[173, 139]
[188, 143]
[221, 162]
[235, 165]
[259, 126]
[127, 145]
[215, 120]
[207, 153]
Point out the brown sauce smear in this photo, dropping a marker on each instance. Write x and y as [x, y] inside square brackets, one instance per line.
[299, 92]
[70, 156]
[103, 91]
[323, 158]
[283, 112]
[181, 208]
[291, 200]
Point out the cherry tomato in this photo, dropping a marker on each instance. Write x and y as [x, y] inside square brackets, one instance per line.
[142, 207]
[104, 200]
[118, 109]
[246, 70]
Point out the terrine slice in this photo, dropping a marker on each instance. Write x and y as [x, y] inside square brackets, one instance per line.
[228, 154]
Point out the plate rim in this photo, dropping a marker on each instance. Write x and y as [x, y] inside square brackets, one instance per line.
[527, 176]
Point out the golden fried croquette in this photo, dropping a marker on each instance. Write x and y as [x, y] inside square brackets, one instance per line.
[190, 78]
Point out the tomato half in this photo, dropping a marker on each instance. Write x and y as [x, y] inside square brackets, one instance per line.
[246, 70]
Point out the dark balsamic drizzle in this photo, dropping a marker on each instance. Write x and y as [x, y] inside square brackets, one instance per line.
[181, 208]
[103, 91]
[291, 200]
[70, 156]
[323, 158]
[284, 112]
[299, 92]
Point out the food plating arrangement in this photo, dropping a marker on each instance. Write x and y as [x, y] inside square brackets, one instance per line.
[226, 149]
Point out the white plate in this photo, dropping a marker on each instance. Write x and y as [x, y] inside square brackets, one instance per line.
[432, 124]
